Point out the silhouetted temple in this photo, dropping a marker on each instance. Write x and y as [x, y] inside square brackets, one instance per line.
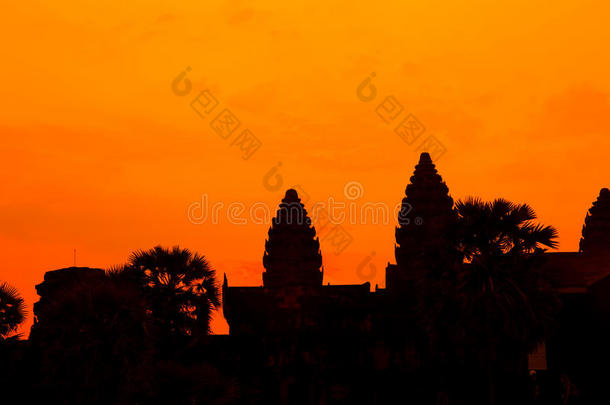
[424, 225]
[57, 282]
[294, 340]
[292, 297]
[596, 231]
[347, 344]
[292, 255]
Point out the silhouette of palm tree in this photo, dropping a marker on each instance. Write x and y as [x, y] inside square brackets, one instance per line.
[180, 287]
[12, 311]
[503, 297]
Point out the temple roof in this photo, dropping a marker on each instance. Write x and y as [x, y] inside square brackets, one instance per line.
[58, 277]
[59, 273]
[574, 271]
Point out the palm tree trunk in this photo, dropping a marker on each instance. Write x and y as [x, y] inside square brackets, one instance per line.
[490, 352]
[490, 368]
[490, 381]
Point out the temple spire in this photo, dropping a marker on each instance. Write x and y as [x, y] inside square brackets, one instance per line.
[424, 222]
[292, 252]
[596, 230]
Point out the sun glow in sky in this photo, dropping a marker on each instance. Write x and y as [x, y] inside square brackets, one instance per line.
[98, 153]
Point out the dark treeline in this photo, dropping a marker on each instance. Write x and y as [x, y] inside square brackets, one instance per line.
[121, 336]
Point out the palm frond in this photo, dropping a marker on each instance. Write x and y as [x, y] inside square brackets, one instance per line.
[12, 310]
[177, 282]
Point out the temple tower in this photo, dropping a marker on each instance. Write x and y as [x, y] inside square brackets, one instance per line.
[424, 226]
[292, 252]
[56, 283]
[596, 231]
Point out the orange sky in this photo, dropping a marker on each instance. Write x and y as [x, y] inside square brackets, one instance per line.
[100, 155]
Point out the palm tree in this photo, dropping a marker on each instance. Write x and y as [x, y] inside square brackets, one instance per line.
[12, 310]
[180, 287]
[503, 299]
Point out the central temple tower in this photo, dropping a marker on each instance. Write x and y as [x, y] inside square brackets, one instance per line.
[424, 226]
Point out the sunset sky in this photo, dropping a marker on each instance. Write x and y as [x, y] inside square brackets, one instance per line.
[100, 155]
